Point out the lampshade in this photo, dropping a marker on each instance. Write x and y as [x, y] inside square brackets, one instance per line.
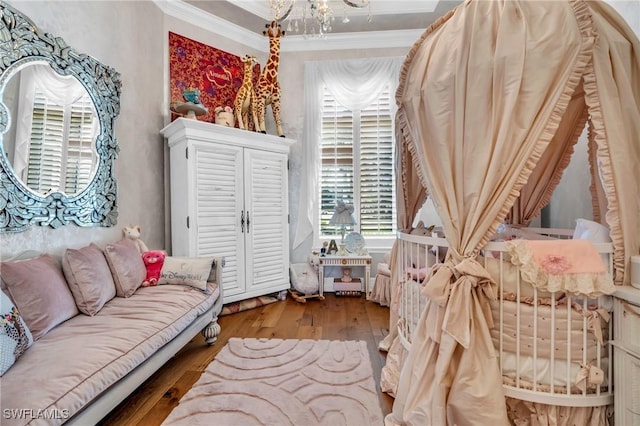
[343, 215]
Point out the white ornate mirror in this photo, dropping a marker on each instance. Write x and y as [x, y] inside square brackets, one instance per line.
[57, 109]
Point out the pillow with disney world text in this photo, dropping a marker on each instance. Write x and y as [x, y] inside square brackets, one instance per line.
[191, 271]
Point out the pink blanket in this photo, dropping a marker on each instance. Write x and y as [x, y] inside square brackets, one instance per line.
[566, 256]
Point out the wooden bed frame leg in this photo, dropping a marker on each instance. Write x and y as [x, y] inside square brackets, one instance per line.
[211, 332]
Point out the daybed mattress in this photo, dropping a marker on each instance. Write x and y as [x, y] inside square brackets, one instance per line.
[73, 363]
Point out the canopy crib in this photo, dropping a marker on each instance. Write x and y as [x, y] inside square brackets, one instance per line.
[492, 99]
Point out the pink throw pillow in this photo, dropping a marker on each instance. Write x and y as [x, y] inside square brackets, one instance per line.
[126, 266]
[153, 261]
[40, 293]
[89, 278]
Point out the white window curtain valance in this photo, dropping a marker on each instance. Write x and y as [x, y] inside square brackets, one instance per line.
[355, 84]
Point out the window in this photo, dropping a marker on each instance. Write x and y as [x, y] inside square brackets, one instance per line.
[357, 165]
[61, 153]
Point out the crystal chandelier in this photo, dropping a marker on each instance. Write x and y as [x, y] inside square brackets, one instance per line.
[313, 17]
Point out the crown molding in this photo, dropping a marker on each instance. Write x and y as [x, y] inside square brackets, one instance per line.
[390, 7]
[291, 43]
[257, 7]
[357, 40]
[210, 22]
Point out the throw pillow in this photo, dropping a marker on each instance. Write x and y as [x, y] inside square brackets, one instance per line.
[126, 266]
[192, 271]
[89, 278]
[593, 231]
[39, 290]
[15, 337]
[153, 261]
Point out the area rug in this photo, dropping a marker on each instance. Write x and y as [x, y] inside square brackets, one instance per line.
[283, 382]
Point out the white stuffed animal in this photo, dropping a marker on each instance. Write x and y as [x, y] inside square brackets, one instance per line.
[133, 233]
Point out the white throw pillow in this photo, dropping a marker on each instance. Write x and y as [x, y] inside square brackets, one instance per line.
[191, 271]
[592, 231]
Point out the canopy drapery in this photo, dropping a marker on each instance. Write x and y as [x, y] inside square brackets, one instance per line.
[491, 100]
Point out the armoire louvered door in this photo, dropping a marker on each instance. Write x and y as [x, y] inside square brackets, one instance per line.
[219, 203]
[266, 213]
[229, 198]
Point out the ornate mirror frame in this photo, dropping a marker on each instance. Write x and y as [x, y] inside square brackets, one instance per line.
[22, 42]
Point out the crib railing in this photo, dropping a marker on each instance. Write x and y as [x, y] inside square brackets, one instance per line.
[552, 347]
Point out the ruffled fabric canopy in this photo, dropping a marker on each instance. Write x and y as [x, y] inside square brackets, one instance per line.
[491, 100]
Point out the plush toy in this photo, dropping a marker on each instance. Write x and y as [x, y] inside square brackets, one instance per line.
[224, 116]
[153, 261]
[133, 233]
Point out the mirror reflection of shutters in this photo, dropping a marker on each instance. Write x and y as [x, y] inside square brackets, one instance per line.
[61, 160]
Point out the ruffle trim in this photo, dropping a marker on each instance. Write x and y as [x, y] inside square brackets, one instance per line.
[527, 413]
[593, 188]
[598, 128]
[403, 130]
[586, 284]
[560, 168]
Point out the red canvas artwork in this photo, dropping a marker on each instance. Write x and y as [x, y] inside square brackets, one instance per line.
[216, 73]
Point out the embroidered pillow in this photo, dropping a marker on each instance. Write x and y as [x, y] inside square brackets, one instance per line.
[126, 265]
[89, 278]
[39, 290]
[192, 271]
[153, 261]
[15, 337]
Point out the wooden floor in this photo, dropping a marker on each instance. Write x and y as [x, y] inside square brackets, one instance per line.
[336, 318]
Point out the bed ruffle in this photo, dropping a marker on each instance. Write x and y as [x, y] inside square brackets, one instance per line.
[525, 413]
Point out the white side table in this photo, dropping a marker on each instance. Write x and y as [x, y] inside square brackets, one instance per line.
[346, 261]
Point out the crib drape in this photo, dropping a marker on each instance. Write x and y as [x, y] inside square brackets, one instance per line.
[482, 95]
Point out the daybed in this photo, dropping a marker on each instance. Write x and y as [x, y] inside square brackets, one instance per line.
[82, 368]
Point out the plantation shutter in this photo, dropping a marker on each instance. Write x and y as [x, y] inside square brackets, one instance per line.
[357, 164]
[377, 204]
[61, 160]
[80, 158]
[45, 152]
[337, 159]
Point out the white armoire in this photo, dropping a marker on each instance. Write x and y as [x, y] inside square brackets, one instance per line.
[230, 198]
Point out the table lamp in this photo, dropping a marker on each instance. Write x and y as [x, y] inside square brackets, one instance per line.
[342, 217]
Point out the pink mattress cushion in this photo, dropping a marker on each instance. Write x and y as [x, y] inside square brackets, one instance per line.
[100, 350]
[89, 278]
[40, 292]
[127, 266]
